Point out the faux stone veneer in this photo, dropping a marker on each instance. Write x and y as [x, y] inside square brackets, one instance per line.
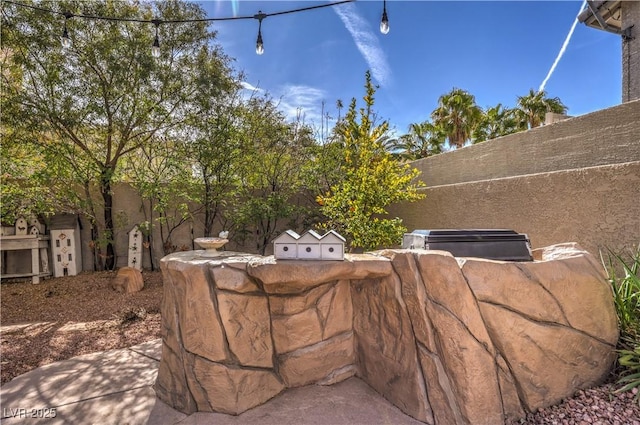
[447, 340]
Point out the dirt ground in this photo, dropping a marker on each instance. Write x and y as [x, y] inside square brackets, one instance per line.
[60, 318]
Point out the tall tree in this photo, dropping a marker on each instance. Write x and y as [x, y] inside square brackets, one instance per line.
[496, 121]
[372, 180]
[458, 115]
[423, 139]
[270, 171]
[105, 95]
[532, 108]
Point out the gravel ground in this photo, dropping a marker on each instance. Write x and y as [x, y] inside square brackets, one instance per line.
[68, 316]
[597, 406]
[64, 317]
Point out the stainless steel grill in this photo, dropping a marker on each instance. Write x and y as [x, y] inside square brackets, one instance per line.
[494, 244]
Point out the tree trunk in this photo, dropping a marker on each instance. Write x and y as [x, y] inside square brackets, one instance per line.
[107, 197]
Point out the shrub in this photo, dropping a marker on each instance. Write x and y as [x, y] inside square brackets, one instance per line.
[624, 276]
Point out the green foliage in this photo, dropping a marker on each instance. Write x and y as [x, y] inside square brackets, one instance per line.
[630, 361]
[270, 173]
[105, 97]
[624, 276]
[372, 180]
[532, 108]
[457, 115]
[496, 121]
[423, 140]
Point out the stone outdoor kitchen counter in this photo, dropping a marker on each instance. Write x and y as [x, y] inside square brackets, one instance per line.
[447, 340]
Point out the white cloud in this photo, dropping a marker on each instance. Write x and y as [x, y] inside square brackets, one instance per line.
[303, 100]
[366, 42]
[248, 86]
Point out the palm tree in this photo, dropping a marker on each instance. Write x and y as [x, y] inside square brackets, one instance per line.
[496, 121]
[532, 108]
[458, 115]
[423, 140]
[339, 106]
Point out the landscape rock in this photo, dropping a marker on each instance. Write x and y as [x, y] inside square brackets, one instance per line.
[127, 280]
[447, 340]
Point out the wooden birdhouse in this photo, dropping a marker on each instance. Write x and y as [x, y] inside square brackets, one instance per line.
[332, 246]
[34, 222]
[22, 227]
[309, 246]
[285, 246]
[135, 248]
[65, 245]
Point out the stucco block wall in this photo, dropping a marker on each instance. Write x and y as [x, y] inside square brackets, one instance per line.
[610, 136]
[597, 207]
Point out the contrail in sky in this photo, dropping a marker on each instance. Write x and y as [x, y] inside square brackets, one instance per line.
[366, 42]
[562, 49]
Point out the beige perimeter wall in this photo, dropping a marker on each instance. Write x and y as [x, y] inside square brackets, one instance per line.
[572, 181]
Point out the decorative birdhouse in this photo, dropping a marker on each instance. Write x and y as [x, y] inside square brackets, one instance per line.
[332, 246]
[285, 246]
[22, 227]
[66, 248]
[34, 222]
[135, 248]
[310, 246]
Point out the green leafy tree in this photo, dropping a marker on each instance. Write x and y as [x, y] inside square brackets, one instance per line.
[496, 121]
[372, 180]
[457, 115]
[532, 108]
[423, 139]
[270, 172]
[159, 172]
[215, 149]
[105, 95]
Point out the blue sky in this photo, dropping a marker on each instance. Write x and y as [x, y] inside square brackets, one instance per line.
[495, 50]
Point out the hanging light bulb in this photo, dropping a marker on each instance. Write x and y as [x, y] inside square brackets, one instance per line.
[155, 48]
[66, 41]
[384, 23]
[259, 44]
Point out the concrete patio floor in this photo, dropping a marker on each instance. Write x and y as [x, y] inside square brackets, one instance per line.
[116, 387]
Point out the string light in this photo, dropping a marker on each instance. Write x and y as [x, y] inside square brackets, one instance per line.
[66, 41]
[259, 44]
[384, 23]
[155, 49]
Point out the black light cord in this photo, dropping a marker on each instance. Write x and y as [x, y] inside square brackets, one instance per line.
[176, 21]
[156, 22]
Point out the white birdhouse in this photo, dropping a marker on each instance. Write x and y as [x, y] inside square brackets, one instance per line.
[285, 246]
[309, 246]
[66, 249]
[135, 248]
[332, 246]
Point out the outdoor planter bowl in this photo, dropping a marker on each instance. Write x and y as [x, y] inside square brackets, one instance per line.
[211, 245]
[447, 340]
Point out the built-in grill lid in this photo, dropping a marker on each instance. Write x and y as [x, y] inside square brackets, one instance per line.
[495, 244]
[471, 235]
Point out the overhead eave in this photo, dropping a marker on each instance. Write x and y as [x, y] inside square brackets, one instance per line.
[604, 15]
